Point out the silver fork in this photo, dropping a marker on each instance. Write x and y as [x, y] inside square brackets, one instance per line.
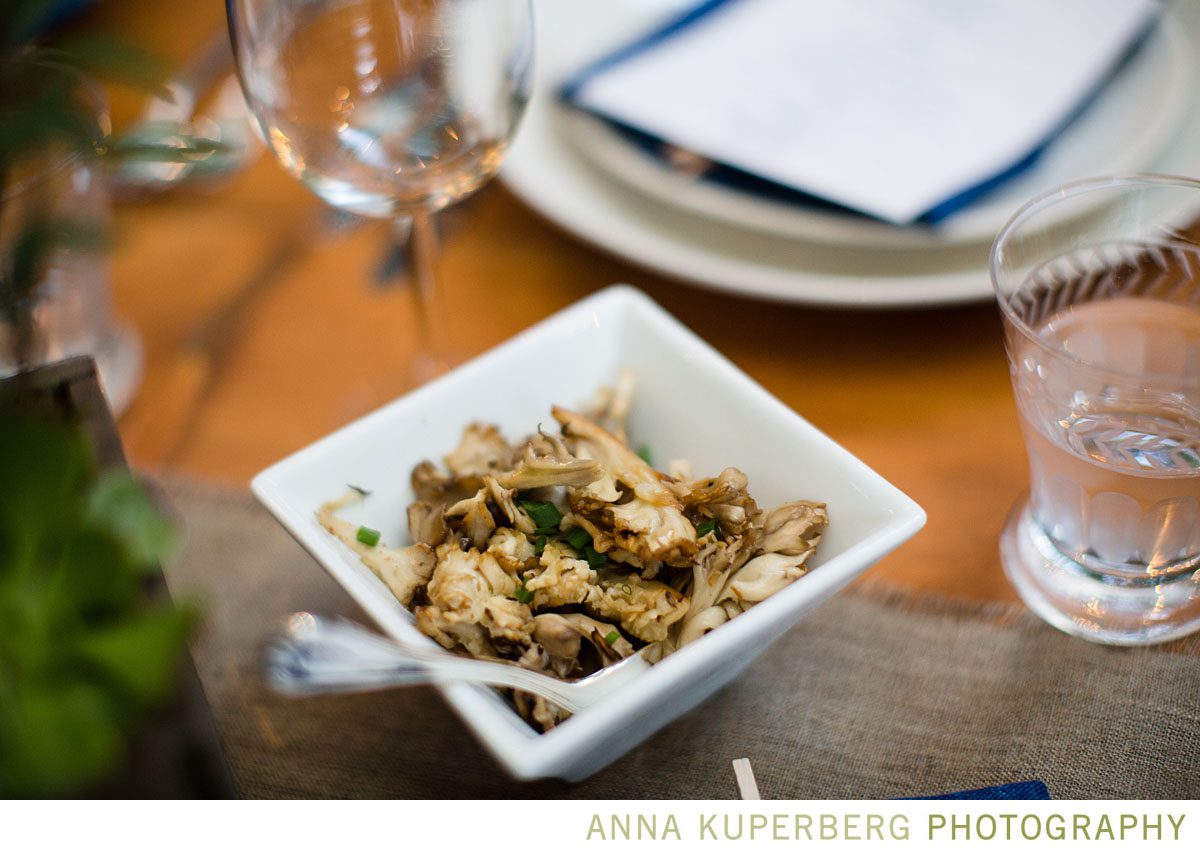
[315, 655]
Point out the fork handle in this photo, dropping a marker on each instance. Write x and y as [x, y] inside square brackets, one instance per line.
[318, 656]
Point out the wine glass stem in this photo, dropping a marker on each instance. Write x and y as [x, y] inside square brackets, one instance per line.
[431, 360]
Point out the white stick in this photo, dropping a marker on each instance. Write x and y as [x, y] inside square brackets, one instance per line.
[747, 787]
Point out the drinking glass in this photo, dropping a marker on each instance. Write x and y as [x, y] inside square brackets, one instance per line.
[60, 189]
[1099, 287]
[388, 108]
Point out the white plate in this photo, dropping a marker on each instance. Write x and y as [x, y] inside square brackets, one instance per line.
[1126, 129]
[549, 174]
[572, 353]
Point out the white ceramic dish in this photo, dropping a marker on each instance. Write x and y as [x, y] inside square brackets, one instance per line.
[1125, 130]
[690, 402]
[547, 171]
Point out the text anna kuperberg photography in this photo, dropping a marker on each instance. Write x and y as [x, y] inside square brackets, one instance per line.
[1007, 826]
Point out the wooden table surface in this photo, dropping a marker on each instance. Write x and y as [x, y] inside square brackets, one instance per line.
[262, 333]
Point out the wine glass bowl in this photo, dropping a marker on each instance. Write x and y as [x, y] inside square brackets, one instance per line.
[390, 109]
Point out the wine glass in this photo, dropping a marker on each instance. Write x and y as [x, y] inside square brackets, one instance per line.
[391, 109]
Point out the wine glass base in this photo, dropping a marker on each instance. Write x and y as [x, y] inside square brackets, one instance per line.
[1079, 602]
[119, 366]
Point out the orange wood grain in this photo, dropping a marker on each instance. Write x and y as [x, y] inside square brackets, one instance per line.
[921, 396]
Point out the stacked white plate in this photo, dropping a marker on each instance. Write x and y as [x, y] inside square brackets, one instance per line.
[580, 173]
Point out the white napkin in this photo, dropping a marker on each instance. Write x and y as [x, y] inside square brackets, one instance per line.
[896, 108]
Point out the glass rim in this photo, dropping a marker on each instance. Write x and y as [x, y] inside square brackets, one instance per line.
[1047, 199]
[95, 97]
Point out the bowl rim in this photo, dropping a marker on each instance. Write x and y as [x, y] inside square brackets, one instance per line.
[525, 753]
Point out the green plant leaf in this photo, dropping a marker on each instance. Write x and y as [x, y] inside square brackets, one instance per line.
[96, 579]
[46, 463]
[61, 736]
[140, 654]
[37, 114]
[108, 56]
[118, 504]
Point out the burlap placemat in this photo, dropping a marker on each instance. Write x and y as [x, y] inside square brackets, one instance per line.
[876, 695]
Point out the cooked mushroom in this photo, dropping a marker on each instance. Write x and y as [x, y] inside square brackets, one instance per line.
[611, 646]
[534, 472]
[557, 637]
[481, 450]
[427, 523]
[505, 502]
[472, 518]
[561, 578]
[611, 408]
[724, 499]
[511, 549]
[508, 620]
[451, 634]
[645, 609]
[463, 582]
[651, 524]
[761, 577]
[703, 623]
[794, 528]
[404, 570]
[564, 553]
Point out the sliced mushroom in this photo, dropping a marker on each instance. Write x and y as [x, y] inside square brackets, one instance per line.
[534, 472]
[403, 570]
[463, 582]
[794, 528]
[645, 609]
[611, 646]
[505, 502]
[724, 499]
[433, 622]
[508, 620]
[703, 623]
[427, 523]
[763, 576]
[511, 549]
[562, 579]
[472, 517]
[482, 450]
[651, 524]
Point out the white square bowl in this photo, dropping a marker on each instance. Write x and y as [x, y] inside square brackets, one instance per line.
[690, 403]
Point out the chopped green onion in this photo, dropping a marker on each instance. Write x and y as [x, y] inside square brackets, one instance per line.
[578, 538]
[367, 536]
[645, 454]
[612, 637]
[544, 514]
[539, 545]
[359, 490]
[595, 559]
[706, 528]
[523, 594]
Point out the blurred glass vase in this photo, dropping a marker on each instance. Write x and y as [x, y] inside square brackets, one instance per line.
[54, 225]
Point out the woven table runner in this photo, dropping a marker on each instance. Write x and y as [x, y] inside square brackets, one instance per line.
[876, 695]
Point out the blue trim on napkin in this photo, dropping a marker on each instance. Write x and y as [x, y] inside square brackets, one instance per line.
[1031, 790]
[754, 184]
[674, 26]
